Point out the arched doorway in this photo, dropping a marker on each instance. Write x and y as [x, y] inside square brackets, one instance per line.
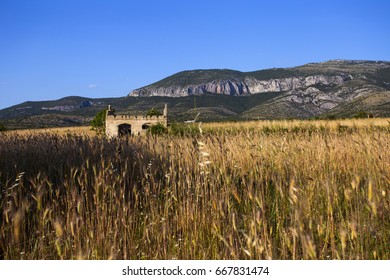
[124, 129]
[146, 126]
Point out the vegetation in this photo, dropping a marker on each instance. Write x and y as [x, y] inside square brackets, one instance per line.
[153, 112]
[2, 127]
[98, 123]
[199, 76]
[334, 67]
[255, 190]
[361, 115]
[157, 129]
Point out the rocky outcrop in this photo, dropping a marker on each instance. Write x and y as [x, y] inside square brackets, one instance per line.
[315, 87]
[248, 85]
[288, 84]
[233, 87]
[69, 108]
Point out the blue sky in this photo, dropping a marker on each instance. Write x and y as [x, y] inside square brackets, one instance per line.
[52, 49]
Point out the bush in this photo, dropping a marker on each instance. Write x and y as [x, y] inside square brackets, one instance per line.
[157, 129]
[2, 127]
[99, 122]
[153, 112]
[331, 117]
[361, 115]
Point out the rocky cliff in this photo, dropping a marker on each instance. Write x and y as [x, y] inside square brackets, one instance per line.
[324, 85]
[246, 86]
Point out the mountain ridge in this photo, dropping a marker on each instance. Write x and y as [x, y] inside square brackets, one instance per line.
[336, 88]
[313, 88]
[233, 82]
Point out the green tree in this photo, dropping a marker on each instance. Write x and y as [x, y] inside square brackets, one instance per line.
[361, 115]
[99, 122]
[2, 127]
[157, 129]
[153, 112]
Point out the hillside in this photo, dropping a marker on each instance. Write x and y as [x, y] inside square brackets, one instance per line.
[230, 82]
[300, 92]
[337, 88]
[211, 107]
[377, 104]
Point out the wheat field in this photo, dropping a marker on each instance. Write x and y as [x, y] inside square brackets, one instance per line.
[245, 190]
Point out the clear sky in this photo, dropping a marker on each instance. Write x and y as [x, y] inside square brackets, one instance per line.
[50, 49]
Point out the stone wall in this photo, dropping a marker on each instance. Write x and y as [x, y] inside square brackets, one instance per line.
[137, 124]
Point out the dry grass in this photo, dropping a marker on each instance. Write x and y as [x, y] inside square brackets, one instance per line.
[299, 125]
[258, 190]
[62, 131]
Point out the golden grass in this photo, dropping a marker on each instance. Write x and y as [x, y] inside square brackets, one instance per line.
[256, 190]
[291, 124]
[79, 130]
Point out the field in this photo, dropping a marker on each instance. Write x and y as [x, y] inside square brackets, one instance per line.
[245, 190]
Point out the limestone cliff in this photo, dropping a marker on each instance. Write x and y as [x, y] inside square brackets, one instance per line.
[248, 85]
[324, 85]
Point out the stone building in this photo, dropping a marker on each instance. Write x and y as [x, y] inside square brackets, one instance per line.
[121, 125]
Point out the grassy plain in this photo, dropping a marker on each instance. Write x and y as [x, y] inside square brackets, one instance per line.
[60, 131]
[245, 190]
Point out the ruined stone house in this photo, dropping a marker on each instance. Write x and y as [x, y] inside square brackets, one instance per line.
[121, 125]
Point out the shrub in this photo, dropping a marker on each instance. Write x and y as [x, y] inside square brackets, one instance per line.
[99, 122]
[153, 112]
[361, 115]
[157, 129]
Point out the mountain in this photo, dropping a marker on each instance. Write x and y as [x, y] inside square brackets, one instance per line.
[336, 88]
[311, 89]
[376, 104]
[326, 75]
[68, 111]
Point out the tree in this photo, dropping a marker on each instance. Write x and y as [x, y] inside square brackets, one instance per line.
[361, 115]
[157, 129]
[153, 112]
[99, 122]
[2, 127]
